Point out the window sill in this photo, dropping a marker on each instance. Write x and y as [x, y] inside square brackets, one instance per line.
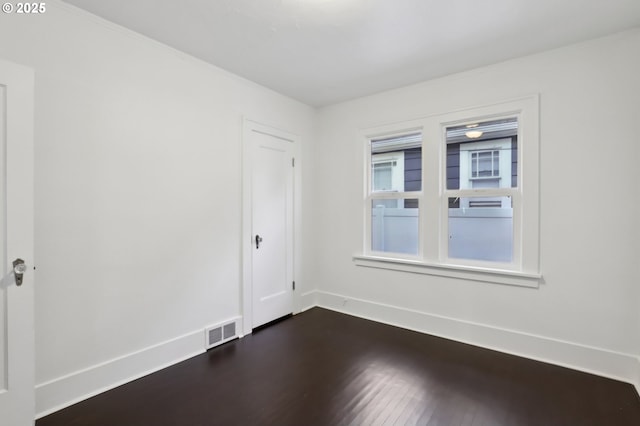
[488, 275]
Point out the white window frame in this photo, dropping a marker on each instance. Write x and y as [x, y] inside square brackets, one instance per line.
[432, 258]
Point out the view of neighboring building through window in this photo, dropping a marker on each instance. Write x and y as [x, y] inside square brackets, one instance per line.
[383, 175]
[445, 194]
[482, 157]
[485, 164]
[396, 171]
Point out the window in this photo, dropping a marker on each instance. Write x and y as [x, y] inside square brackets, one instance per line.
[396, 173]
[485, 164]
[456, 195]
[383, 175]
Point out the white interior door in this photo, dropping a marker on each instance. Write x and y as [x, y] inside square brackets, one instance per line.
[17, 402]
[272, 181]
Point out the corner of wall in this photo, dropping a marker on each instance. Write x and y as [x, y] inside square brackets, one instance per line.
[307, 301]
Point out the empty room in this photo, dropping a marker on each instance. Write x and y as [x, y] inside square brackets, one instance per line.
[320, 212]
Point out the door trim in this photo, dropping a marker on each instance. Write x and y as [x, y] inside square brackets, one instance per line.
[246, 293]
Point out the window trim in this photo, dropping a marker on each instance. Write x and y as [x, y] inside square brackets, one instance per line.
[432, 257]
[470, 273]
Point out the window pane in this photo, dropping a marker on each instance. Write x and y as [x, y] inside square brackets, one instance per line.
[383, 176]
[394, 225]
[481, 228]
[396, 163]
[483, 155]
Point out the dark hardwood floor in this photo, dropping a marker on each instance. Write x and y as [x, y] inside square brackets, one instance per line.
[325, 368]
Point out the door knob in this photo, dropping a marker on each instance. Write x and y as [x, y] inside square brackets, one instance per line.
[19, 268]
[258, 241]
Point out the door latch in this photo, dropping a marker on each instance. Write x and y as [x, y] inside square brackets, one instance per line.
[19, 268]
[258, 241]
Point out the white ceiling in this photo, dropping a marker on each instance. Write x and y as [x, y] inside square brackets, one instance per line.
[325, 51]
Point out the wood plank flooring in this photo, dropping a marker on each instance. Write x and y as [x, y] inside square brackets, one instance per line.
[326, 368]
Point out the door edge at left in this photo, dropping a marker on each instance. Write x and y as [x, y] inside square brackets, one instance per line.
[19, 133]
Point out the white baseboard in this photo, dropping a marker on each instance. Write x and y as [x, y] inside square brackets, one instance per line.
[64, 391]
[307, 301]
[602, 362]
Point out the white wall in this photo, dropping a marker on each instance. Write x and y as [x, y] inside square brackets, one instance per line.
[585, 312]
[138, 204]
[138, 196]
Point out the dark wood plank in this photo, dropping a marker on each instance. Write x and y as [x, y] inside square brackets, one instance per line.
[326, 368]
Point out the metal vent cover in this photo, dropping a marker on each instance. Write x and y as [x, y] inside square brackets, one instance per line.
[215, 336]
[229, 330]
[220, 333]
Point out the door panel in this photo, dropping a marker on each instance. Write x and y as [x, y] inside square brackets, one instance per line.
[272, 222]
[3, 258]
[17, 407]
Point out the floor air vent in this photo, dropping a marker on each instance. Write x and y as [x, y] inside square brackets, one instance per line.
[219, 334]
[229, 331]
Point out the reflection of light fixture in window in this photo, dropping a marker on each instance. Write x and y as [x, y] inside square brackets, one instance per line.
[473, 134]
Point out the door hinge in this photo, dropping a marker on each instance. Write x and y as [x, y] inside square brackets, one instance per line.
[293, 162]
[294, 285]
